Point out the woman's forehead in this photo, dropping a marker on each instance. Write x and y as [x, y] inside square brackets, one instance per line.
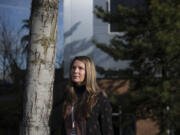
[78, 62]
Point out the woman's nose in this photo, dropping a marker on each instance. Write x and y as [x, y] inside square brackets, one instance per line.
[76, 70]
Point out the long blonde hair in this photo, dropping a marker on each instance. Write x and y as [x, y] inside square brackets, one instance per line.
[92, 89]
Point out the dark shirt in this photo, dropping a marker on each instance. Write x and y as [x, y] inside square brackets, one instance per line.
[100, 120]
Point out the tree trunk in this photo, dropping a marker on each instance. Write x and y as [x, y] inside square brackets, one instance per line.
[40, 68]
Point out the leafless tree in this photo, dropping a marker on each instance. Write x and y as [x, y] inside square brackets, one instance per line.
[10, 51]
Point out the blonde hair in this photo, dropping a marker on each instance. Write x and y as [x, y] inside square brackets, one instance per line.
[92, 89]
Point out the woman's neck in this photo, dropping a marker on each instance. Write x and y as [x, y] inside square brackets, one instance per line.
[79, 90]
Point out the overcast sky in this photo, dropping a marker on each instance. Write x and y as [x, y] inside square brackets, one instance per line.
[14, 11]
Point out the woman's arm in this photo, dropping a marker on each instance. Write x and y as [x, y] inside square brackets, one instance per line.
[106, 117]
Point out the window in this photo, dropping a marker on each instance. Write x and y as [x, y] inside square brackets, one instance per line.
[113, 7]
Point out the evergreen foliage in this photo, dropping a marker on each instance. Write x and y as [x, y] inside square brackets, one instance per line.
[150, 40]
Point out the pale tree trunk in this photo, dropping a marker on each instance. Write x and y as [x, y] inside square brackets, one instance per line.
[41, 65]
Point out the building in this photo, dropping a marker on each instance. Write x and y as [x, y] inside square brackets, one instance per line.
[81, 26]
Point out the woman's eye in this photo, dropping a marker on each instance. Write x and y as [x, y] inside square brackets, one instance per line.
[81, 68]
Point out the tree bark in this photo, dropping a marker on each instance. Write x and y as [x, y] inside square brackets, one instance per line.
[40, 68]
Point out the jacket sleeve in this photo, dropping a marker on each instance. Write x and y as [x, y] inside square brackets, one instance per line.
[106, 117]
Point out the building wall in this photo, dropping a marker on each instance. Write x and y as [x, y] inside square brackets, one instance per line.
[146, 127]
[118, 86]
[81, 27]
[78, 30]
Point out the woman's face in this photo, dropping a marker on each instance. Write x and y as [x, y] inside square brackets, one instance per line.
[78, 72]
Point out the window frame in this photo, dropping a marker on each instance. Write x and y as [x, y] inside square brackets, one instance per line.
[109, 24]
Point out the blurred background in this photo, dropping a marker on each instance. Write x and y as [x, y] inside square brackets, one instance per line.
[135, 46]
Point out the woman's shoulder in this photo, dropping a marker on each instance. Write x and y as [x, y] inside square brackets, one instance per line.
[102, 96]
[103, 102]
[102, 93]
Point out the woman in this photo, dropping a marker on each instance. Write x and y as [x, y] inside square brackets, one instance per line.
[87, 110]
